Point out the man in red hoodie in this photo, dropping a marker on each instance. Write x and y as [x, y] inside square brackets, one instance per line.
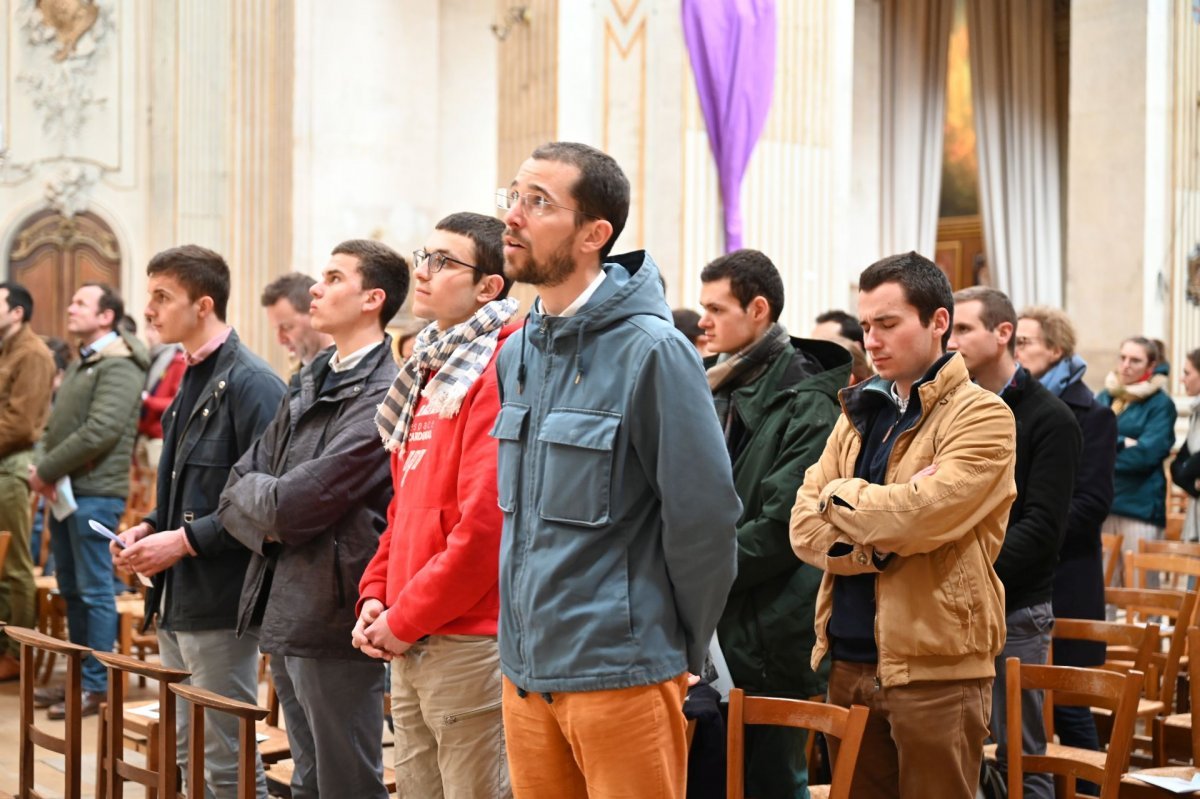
[430, 597]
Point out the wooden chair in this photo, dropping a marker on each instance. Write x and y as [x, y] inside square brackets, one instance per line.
[1175, 738]
[30, 736]
[112, 770]
[1176, 569]
[1166, 547]
[1117, 693]
[1111, 546]
[5, 540]
[1177, 502]
[131, 613]
[847, 725]
[1178, 607]
[246, 714]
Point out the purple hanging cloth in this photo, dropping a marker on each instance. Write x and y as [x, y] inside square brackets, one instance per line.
[731, 44]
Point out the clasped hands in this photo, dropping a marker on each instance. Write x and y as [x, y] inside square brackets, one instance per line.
[372, 634]
[148, 554]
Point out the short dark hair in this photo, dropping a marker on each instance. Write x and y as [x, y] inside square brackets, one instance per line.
[487, 234]
[850, 328]
[687, 322]
[128, 324]
[293, 287]
[602, 190]
[925, 286]
[380, 267]
[995, 308]
[201, 272]
[61, 351]
[19, 297]
[110, 300]
[751, 274]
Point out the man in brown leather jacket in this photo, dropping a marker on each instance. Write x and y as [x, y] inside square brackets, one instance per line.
[906, 512]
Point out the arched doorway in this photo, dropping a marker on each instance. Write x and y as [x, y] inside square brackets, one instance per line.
[52, 254]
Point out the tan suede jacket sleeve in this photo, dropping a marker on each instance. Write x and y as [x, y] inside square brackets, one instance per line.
[974, 456]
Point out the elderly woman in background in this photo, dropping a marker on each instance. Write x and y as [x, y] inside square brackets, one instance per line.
[1185, 469]
[1145, 433]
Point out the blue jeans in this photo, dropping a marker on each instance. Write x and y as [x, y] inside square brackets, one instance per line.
[85, 580]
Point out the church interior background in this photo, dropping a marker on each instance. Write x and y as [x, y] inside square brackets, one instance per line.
[1048, 147]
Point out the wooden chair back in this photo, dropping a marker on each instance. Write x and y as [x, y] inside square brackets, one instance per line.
[1177, 568]
[112, 770]
[69, 745]
[1167, 547]
[5, 540]
[1111, 546]
[246, 714]
[1115, 692]
[1179, 608]
[1177, 502]
[845, 724]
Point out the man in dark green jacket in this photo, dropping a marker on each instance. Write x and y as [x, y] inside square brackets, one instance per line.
[776, 399]
[90, 440]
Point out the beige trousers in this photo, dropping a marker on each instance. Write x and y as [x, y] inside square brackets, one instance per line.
[446, 710]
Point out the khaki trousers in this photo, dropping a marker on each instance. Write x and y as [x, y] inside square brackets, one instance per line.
[18, 593]
[448, 726]
[626, 743]
[922, 740]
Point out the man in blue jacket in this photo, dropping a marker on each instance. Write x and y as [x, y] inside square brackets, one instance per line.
[228, 395]
[618, 547]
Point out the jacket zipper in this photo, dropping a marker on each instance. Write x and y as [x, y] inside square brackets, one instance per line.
[337, 575]
[454, 718]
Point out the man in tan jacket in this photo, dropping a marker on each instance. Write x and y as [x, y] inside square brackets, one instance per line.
[26, 372]
[905, 512]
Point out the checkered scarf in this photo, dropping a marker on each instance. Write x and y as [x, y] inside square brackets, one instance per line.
[456, 357]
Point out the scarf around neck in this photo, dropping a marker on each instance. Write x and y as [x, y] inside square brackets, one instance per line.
[743, 368]
[456, 357]
[1123, 396]
[1063, 374]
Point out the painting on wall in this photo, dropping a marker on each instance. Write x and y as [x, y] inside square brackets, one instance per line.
[960, 161]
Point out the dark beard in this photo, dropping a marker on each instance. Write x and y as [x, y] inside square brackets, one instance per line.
[552, 272]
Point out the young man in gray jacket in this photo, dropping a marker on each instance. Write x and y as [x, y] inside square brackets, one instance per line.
[310, 500]
[618, 546]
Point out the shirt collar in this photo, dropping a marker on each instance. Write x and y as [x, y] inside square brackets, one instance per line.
[211, 346]
[352, 360]
[582, 299]
[99, 344]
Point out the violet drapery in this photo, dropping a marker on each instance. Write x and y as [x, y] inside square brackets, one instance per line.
[731, 44]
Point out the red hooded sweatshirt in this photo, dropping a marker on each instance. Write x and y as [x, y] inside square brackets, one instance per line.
[437, 568]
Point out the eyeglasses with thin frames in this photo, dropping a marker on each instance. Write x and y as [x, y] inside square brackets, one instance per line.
[437, 261]
[533, 203]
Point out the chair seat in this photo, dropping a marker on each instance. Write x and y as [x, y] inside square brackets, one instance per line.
[279, 779]
[1182, 720]
[274, 747]
[1133, 788]
[818, 791]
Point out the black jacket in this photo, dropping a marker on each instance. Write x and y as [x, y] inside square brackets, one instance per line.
[1048, 443]
[1079, 579]
[310, 500]
[1185, 470]
[233, 408]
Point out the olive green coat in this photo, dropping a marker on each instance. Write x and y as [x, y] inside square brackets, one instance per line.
[766, 631]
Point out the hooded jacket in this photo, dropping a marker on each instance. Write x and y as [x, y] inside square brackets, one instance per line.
[766, 630]
[939, 604]
[94, 421]
[618, 547]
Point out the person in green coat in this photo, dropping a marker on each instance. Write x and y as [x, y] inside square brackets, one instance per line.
[776, 399]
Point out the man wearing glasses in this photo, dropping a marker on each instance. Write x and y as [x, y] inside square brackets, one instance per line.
[431, 592]
[309, 500]
[618, 548]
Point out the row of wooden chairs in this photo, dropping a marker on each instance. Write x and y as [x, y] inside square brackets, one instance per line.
[115, 771]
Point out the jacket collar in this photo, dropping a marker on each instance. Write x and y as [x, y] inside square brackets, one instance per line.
[947, 374]
[807, 365]
[311, 377]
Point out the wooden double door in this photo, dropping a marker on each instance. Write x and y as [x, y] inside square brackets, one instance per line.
[52, 255]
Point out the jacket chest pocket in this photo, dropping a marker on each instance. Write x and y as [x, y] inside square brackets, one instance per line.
[507, 431]
[577, 475]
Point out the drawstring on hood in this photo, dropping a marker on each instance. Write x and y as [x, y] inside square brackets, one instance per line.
[521, 365]
[579, 355]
